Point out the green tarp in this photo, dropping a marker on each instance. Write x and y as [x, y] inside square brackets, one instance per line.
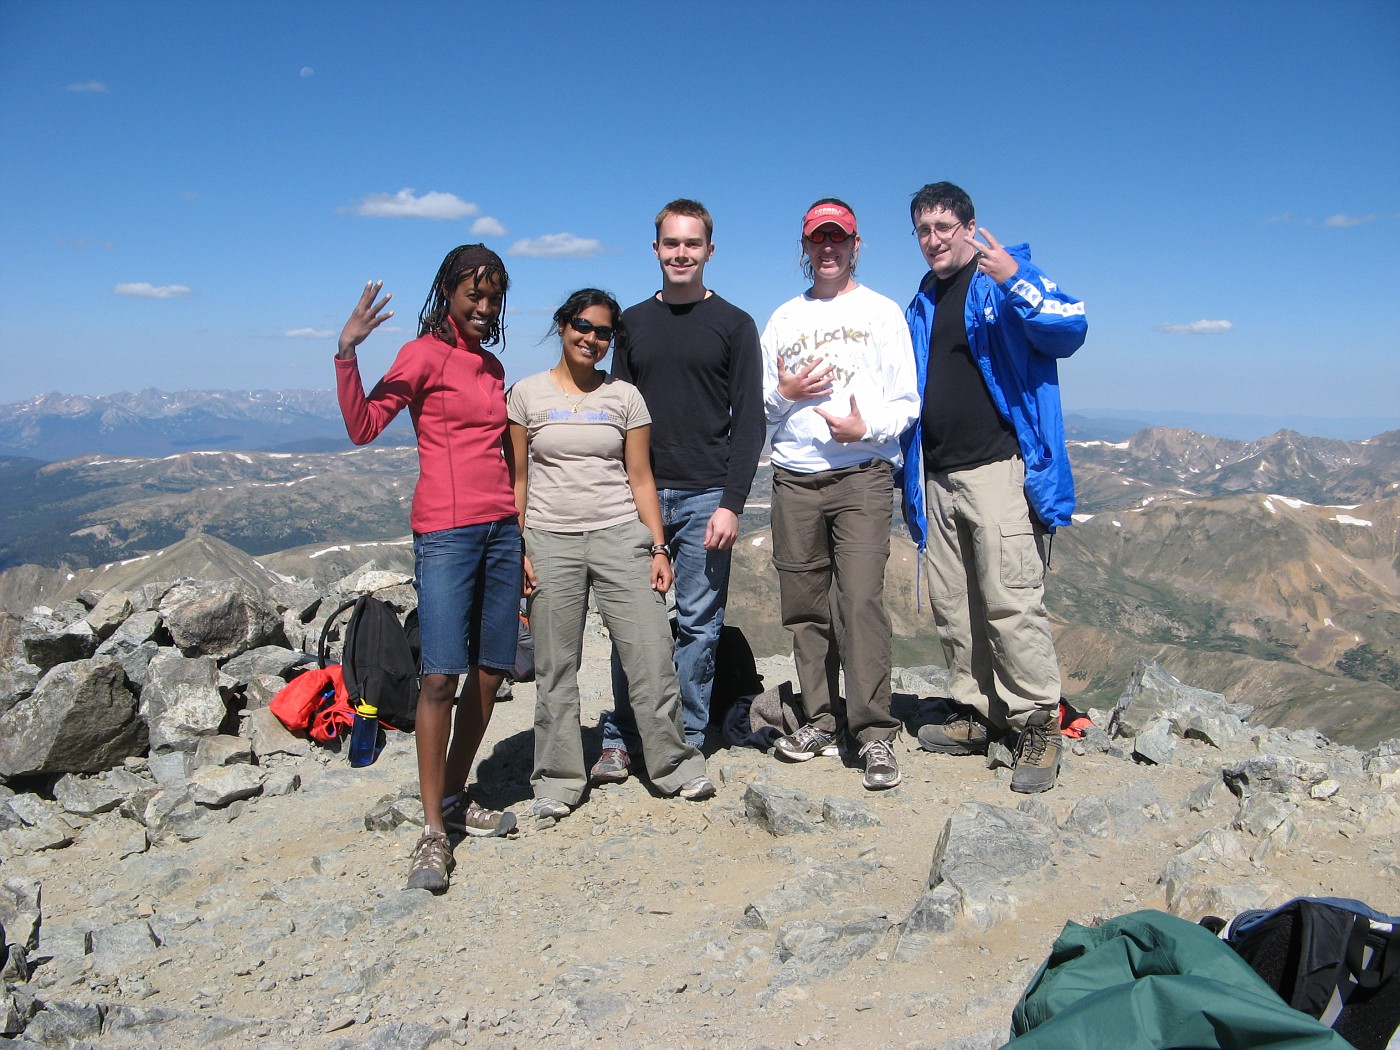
[1151, 981]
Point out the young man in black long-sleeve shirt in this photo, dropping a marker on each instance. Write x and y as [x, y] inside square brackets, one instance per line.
[695, 358]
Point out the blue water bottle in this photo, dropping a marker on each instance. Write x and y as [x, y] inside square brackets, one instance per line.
[365, 735]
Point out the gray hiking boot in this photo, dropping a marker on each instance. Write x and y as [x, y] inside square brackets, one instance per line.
[1038, 754]
[544, 808]
[881, 769]
[960, 735]
[466, 817]
[807, 742]
[697, 790]
[432, 860]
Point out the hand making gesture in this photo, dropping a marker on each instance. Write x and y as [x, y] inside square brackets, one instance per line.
[845, 429]
[992, 258]
[804, 385]
[365, 318]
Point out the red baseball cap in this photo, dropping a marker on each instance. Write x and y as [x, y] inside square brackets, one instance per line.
[821, 214]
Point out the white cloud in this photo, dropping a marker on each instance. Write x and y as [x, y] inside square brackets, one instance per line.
[404, 205]
[1195, 328]
[142, 290]
[307, 71]
[309, 333]
[92, 87]
[1345, 221]
[556, 246]
[486, 226]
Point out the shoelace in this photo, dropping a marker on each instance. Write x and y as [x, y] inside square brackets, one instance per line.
[1034, 741]
[427, 847]
[878, 750]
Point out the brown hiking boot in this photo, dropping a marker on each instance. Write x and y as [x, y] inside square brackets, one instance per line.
[960, 735]
[432, 860]
[1038, 754]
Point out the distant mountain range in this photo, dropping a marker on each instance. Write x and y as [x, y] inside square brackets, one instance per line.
[56, 427]
[1269, 569]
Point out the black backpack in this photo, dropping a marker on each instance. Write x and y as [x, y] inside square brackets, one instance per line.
[1332, 958]
[379, 659]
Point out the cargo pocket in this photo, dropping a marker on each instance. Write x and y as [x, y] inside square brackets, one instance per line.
[1021, 563]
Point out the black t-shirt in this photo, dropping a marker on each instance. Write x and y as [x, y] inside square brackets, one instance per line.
[698, 366]
[961, 425]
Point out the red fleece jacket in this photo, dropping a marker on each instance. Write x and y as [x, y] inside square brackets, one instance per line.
[456, 396]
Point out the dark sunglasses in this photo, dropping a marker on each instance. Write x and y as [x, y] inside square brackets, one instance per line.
[582, 327]
[834, 236]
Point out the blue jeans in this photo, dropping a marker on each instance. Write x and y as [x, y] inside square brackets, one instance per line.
[468, 583]
[701, 587]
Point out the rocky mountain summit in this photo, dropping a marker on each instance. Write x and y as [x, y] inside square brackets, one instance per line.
[179, 869]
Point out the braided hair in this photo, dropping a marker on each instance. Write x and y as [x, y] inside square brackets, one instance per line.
[474, 262]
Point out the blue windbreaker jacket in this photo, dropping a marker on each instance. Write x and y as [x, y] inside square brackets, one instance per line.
[1017, 330]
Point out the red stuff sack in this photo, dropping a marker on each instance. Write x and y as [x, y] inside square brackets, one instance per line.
[315, 703]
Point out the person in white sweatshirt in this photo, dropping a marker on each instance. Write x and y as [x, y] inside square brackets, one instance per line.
[840, 388]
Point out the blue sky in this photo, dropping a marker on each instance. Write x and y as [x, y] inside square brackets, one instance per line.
[192, 194]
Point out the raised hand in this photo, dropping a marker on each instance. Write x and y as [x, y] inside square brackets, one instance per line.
[807, 384]
[845, 429]
[992, 258]
[365, 318]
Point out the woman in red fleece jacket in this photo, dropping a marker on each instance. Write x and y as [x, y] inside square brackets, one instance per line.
[466, 538]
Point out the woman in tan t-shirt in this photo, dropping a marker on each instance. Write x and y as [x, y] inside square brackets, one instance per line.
[592, 521]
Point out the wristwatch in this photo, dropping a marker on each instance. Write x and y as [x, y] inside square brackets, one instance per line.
[660, 548]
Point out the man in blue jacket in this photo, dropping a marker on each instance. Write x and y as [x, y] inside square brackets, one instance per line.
[987, 477]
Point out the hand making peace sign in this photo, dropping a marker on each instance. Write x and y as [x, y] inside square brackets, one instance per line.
[992, 258]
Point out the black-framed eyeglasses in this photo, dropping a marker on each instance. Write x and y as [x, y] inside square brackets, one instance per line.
[582, 327]
[834, 236]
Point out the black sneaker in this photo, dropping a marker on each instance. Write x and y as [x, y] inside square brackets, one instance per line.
[807, 742]
[881, 769]
[1038, 754]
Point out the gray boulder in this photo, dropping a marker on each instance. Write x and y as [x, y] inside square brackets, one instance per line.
[1274, 774]
[135, 629]
[51, 637]
[1119, 813]
[81, 718]
[219, 619]
[21, 905]
[782, 810]
[219, 785]
[935, 912]
[110, 610]
[181, 701]
[17, 681]
[268, 736]
[272, 660]
[810, 950]
[1152, 693]
[88, 796]
[984, 849]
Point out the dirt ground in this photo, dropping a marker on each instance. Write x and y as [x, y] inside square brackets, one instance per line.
[287, 925]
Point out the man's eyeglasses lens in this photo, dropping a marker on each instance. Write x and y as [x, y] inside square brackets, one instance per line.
[582, 327]
[942, 230]
[822, 236]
